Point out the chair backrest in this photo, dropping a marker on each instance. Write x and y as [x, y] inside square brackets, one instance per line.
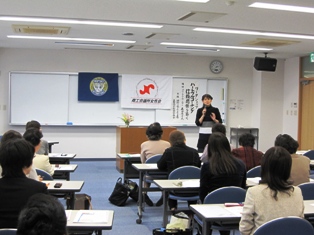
[44, 174]
[287, 226]
[8, 231]
[153, 159]
[254, 172]
[185, 172]
[309, 154]
[225, 194]
[307, 190]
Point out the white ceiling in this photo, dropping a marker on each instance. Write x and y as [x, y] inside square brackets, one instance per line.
[167, 13]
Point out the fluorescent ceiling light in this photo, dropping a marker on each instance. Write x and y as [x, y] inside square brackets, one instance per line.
[202, 1]
[215, 46]
[281, 7]
[86, 44]
[194, 49]
[257, 33]
[72, 21]
[70, 39]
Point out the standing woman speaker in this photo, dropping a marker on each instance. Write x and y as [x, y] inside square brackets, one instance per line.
[206, 117]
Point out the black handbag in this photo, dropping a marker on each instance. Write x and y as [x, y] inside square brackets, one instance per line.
[133, 187]
[82, 202]
[120, 193]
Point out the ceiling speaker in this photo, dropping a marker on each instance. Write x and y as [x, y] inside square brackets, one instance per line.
[265, 64]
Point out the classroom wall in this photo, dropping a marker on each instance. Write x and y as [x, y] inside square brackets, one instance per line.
[99, 142]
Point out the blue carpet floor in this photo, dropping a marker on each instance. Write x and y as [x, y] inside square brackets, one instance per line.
[100, 178]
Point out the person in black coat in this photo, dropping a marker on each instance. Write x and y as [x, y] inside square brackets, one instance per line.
[206, 117]
[179, 154]
[16, 158]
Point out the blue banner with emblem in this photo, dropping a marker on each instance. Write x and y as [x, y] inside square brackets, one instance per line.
[98, 87]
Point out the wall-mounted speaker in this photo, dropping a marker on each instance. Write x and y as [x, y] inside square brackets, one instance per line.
[265, 64]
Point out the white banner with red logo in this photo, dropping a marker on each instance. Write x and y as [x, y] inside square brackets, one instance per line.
[146, 91]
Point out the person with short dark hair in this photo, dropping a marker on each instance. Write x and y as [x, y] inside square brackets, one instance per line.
[179, 154]
[43, 214]
[44, 147]
[16, 157]
[274, 197]
[40, 161]
[246, 152]
[12, 134]
[300, 169]
[154, 145]
[206, 117]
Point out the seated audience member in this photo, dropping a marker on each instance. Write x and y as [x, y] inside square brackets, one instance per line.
[16, 157]
[222, 169]
[154, 145]
[43, 214]
[300, 169]
[274, 197]
[40, 161]
[179, 154]
[250, 156]
[44, 147]
[217, 127]
[12, 134]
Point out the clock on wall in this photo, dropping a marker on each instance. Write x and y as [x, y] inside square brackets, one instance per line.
[216, 66]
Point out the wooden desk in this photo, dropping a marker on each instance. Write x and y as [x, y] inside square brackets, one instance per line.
[74, 227]
[169, 185]
[129, 140]
[61, 158]
[62, 171]
[218, 212]
[128, 159]
[50, 144]
[142, 169]
[68, 187]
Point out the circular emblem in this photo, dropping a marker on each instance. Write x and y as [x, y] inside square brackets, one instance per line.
[98, 86]
[216, 66]
[147, 88]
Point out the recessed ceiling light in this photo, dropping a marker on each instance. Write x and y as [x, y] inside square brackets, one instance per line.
[75, 21]
[215, 46]
[257, 33]
[70, 39]
[282, 7]
[87, 44]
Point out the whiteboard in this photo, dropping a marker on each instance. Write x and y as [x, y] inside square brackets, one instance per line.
[52, 99]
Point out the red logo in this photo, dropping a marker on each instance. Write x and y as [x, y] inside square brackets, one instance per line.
[146, 89]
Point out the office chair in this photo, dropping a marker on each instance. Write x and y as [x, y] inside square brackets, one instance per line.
[44, 174]
[219, 196]
[309, 154]
[8, 231]
[254, 172]
[307, 190]
[150, 176]
[185, 172]
[287, 226]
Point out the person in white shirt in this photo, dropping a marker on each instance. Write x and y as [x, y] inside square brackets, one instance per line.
[40, 161]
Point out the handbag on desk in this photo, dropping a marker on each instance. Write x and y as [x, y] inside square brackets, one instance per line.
[120, 193]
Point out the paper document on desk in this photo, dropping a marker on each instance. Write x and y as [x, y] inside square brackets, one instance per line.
[68, 214]
[255, 179]
[236, 210]
[63, 168]
[190, 183]
[91, 217]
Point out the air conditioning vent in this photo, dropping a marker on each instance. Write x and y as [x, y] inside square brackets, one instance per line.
[38, 29]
